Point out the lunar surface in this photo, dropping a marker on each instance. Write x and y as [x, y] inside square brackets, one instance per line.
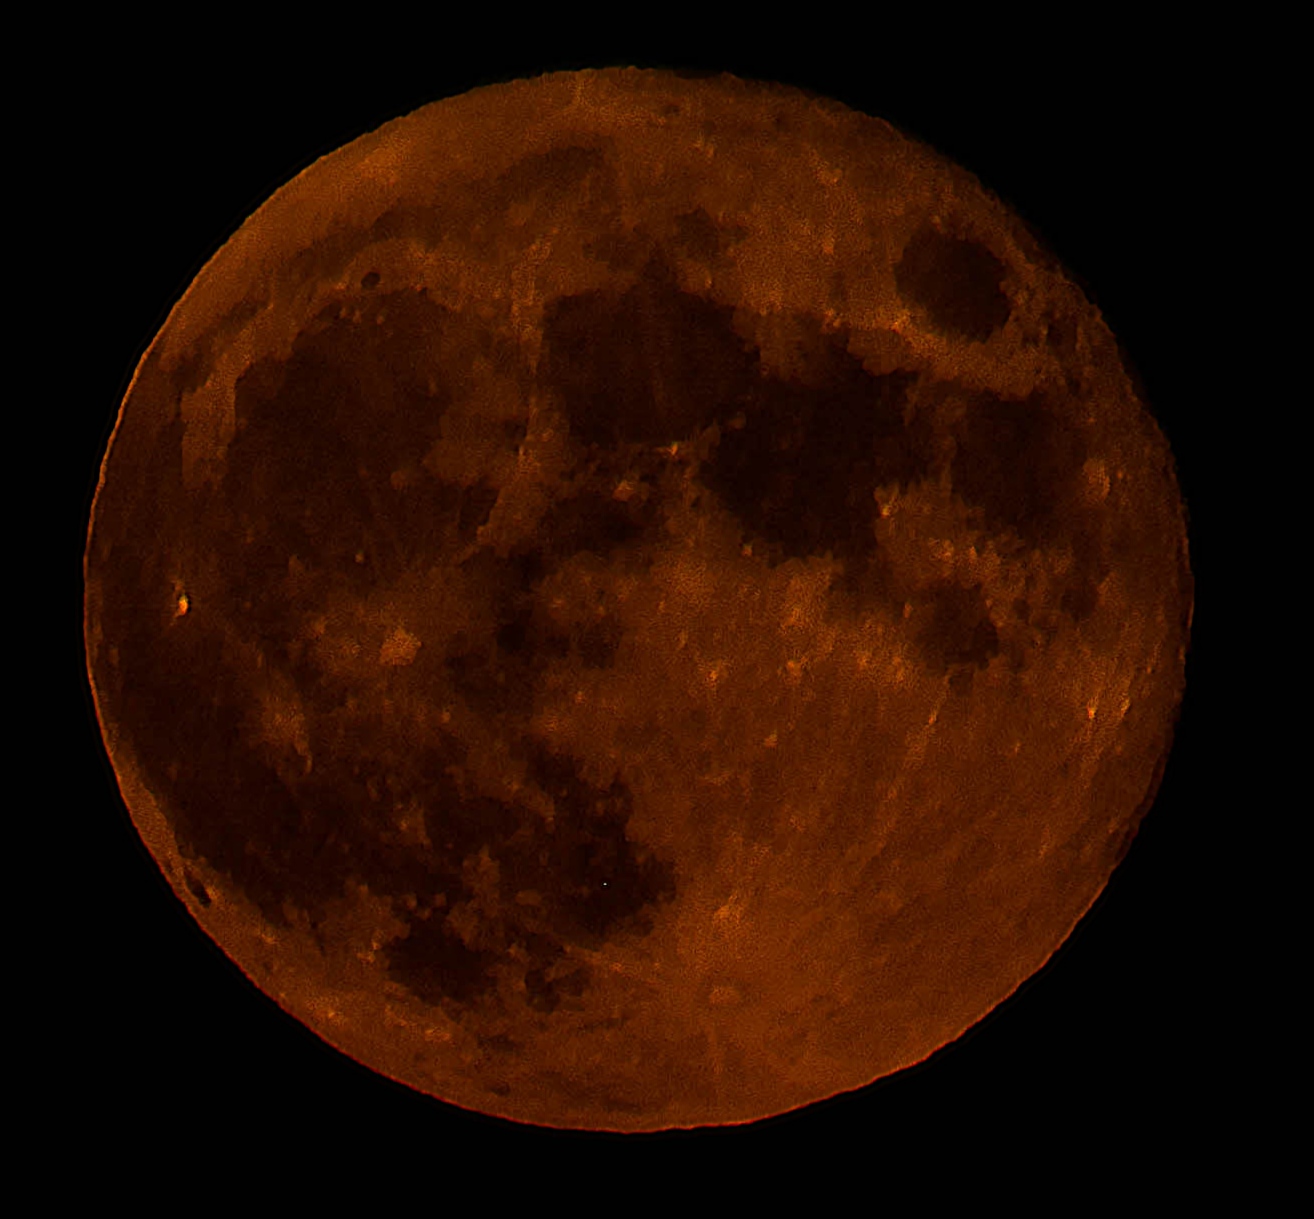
[626, 602]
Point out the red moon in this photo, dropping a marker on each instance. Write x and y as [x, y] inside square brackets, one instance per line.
[624, 602]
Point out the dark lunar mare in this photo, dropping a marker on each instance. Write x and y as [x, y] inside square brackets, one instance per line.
[956, 281]
[307, 480]
[492, 893]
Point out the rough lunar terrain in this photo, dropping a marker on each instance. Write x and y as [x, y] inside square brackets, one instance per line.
[623, 602]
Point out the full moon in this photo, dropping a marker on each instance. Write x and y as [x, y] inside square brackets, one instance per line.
[626, 602]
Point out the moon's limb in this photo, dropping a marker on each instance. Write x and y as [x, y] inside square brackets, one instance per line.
[653, 607]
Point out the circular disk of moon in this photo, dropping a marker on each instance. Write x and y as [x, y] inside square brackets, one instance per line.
[628, 602]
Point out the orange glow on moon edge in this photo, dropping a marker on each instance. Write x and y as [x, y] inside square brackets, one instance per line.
[621, 602]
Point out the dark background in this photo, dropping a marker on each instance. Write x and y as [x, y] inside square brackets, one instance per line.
[1107, 1057]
